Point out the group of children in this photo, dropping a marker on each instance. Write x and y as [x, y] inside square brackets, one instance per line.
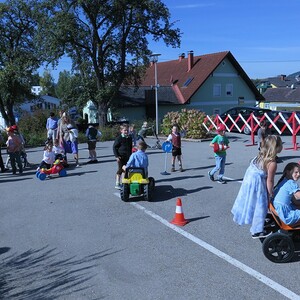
[52, 152]
[257, 189]
[125, 143]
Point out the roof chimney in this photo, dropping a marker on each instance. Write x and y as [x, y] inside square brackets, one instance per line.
[282, 77]
[181, 56]
[190, 60]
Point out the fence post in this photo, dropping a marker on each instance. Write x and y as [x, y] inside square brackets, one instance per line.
[252, 130]
[294, 132]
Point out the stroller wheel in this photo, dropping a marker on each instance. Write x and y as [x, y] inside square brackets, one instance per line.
[278, 248]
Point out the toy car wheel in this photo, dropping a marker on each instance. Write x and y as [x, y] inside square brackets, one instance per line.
[124, 192]
[151, 183]
[151, 188]
[278, 247]
[63, 173]
[42, 176]
[146, 192]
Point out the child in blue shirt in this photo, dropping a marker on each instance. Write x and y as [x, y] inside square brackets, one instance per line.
[220, 144]
[139, 159]
[285, 192]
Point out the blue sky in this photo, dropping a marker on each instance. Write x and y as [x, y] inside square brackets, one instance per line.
[261, 34]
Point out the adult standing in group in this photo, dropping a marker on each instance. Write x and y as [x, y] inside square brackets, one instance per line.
[68, 136]
[51, 127]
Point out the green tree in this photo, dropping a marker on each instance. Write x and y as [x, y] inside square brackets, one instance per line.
[73, 90]
[47, 84]
[102, 37]
[18, 59]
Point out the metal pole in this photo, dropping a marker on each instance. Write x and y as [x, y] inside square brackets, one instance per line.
[154, 57]
[156, 97]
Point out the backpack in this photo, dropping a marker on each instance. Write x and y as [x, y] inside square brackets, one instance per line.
[92, 134]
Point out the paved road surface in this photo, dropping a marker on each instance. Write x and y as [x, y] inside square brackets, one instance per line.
[73, 238]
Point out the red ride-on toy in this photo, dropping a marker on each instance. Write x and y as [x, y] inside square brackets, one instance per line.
[58, 168]
[279, 247]
[135, 183]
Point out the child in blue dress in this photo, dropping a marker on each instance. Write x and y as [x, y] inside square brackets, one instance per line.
[285, 191]
[251, 204]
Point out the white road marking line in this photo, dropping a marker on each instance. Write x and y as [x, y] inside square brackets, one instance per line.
[260, 277]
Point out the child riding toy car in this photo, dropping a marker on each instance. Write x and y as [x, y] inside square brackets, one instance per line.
[135, 183]
[279, 247]
[57, 168]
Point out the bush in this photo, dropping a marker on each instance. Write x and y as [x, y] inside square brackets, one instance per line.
[33, 127]
[189, 121]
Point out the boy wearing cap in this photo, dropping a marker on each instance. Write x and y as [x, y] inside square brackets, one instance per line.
[220, 144]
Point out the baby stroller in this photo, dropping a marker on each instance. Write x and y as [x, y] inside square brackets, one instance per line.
[157, 144]
[279, 247]
[142, 135]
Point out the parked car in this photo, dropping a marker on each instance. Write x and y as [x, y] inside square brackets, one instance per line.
[245, 112]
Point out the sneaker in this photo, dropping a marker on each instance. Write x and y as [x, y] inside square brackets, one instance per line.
[211, 177]
[78, 165]
[261, 235]
[181, 169]
[220, 180]
[173, 169]
[118, 186]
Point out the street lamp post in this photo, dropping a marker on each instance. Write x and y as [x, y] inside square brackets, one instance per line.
[154, 59]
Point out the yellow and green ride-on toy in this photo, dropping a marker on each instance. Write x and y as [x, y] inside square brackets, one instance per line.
[135, 183]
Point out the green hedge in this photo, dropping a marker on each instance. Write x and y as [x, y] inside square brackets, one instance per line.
[189, 121]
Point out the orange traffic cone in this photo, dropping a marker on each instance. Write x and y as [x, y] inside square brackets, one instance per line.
[179, 216]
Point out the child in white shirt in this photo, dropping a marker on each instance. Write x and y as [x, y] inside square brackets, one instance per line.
[48, 157]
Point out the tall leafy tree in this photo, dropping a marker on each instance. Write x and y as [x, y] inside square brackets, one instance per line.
[102, 37]
[18, 58]
[47, 84]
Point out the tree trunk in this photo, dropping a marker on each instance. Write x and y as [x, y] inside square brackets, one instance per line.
[102, 113]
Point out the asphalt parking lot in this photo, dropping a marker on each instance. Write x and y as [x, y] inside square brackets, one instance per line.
[73, 238]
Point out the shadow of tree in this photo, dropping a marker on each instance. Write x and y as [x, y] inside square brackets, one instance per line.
[41, 274]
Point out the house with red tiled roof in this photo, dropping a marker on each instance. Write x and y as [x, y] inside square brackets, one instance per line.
[211, 83]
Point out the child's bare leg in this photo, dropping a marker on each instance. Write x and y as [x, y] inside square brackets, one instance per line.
[173, 163]
[180, 162]
[118, 179]
[95, 154]
[76, 159]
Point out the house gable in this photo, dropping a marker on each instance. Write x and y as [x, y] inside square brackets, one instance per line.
[231, 87]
